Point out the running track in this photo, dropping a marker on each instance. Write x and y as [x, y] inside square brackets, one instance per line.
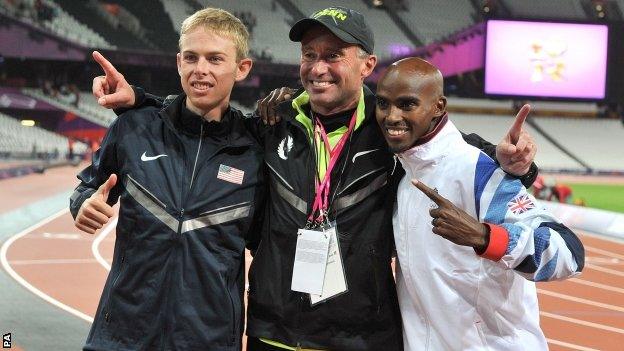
[67, 269]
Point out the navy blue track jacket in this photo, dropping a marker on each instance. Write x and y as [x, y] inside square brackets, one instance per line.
[188, 191]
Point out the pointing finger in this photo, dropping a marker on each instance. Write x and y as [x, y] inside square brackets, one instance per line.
[516, 128]
[108, 67]
[437, 198]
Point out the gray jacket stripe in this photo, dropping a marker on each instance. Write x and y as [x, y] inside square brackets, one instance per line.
[279, 176]
[75, 196]
[352, 199]
[360, 177]
[294, 200]
[150, 205]
[224, 208]
[154, 198]
[214, 219]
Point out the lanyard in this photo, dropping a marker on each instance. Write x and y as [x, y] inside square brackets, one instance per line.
[321, 199]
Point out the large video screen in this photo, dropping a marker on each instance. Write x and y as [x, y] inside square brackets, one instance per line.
[544, 59]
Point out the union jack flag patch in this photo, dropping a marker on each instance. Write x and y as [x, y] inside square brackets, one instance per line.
[520, 204]
[230, 174]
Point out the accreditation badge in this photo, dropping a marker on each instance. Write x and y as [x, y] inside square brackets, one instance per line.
[310, 261]
[335, 282]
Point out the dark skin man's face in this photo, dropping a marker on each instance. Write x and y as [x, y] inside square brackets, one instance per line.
[409, 102]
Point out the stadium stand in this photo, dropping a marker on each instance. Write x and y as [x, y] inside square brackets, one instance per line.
[105, 23]
[271, 29]
[432, 20]
[18, 141]
[50, 16]
[564, 9]
[177, 11]
[567, 109]
[597, 142]
[576, 140]
[87, 108]
[89, 105]
[494, 127]
[157, 25]
[538, 108]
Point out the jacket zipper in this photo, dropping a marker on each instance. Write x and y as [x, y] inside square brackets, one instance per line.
[166, 327]
[201, 136]
[373, 255]
[406, 225]
[108, 312]
[233, 324]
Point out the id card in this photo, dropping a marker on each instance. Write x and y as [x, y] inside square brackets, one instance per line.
[335, 282]
[310, 261]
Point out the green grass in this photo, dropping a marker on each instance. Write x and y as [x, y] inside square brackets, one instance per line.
[603, 196]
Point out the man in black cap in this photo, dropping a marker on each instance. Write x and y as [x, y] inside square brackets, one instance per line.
[336, 56]
[332, 188]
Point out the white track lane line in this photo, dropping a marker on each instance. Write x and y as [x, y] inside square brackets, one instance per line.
[95, 246]
[26, 284]
[582, 322]
[612, 239]
[596, 285]
[581, 300]
[570, 346]
[603, 252]
[604, 270]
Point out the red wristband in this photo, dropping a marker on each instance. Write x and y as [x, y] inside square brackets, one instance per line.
[499, 239]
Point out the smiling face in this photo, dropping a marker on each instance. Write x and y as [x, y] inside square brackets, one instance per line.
[409, 102]
[332, 71]
[208, 68]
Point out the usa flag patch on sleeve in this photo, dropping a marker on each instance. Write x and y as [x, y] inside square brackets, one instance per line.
[230, 174]
[520, 204]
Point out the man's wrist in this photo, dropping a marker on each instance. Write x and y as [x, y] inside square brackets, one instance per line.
[528, 177]
[498, 239]
[139, 99]
[480, 248]
[139, 96]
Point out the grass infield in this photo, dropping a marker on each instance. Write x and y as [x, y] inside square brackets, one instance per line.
[602, 196]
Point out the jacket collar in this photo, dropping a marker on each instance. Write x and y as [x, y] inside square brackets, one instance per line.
[181, 120]
[289, 110]
[432, 147]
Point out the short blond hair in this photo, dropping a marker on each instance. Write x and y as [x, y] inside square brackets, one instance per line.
[220, 22]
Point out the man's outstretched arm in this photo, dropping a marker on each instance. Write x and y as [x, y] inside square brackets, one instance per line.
[112, 91]
[515, 152]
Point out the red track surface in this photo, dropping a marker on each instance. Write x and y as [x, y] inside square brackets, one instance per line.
[584, 313]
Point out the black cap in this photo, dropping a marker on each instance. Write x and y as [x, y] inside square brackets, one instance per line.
[348, 25]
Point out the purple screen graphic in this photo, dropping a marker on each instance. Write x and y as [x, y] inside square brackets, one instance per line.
[546, 59]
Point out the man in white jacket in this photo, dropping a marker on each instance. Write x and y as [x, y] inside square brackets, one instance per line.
[465, 279]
